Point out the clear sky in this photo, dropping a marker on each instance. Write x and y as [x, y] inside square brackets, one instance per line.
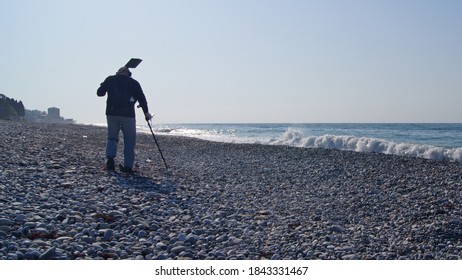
[219, 61]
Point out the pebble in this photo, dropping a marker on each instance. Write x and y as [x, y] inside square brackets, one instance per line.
[349, 257]
[161, 246]
[5, 228]
[219, 201]
[182, 237]
[142, 234]
[337, 229]
[108, 234]
[5, 222]
[21, 218]
[48, 254]
[178, 249]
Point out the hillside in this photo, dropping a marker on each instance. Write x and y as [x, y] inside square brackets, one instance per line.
[10, 108]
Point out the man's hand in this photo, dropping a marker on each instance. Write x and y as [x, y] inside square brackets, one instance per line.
[148, 116]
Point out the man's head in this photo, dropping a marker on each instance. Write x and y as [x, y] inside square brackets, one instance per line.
[124, 71]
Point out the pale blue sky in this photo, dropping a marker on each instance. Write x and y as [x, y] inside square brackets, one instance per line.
[240, 60]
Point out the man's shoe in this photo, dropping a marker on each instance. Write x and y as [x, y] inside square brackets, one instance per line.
[110, 165]
[126, 169]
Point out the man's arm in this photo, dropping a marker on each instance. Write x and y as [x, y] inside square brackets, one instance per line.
[101, 91]
[142, 98]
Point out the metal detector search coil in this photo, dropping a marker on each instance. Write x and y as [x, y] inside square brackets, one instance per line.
[133, 63]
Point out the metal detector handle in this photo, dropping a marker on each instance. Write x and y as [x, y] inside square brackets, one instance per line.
[152, 115]
[157, 144]
[155, 140]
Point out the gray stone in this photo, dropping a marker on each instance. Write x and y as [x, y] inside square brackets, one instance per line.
[20, 255]
[5, 222]
[161, 246]
[349, 257]
[108, 234]
[192, 238]
[88, 240]
[32, 255]
[142, 234]
[181, 237]
[337, 229]
[5, 228]
[178, 249]
[48, 254]
[29, 224]
[103, 225]
[161, 257]
[21, 218]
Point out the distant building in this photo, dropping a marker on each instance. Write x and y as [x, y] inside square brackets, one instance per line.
[35, 115]
[53, 114]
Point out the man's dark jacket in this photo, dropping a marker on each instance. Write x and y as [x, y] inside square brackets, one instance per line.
[122, 94]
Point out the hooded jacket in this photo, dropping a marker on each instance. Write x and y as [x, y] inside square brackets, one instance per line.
[122, 94]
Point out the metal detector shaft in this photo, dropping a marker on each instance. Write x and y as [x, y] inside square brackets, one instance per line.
[157, 144]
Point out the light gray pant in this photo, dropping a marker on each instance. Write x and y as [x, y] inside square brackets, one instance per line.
[128, 127]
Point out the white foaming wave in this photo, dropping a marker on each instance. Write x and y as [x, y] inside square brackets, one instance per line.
[296, 138]
[199, 133]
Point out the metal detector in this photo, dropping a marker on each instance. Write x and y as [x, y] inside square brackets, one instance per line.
[157, 144]
[133, 63]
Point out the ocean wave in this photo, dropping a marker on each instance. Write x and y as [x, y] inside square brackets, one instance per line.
[293, 137]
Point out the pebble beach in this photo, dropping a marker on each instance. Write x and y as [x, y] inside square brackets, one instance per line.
[219, 201]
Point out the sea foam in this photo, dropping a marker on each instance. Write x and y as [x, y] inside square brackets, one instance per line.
[293, 137]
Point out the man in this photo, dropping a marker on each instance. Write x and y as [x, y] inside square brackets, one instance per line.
[122, 94]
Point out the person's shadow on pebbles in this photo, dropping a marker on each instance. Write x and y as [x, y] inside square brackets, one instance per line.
[141, 182]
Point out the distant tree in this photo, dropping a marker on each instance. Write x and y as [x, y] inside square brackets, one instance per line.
[19, 107]
[6, 110]
[11, 108]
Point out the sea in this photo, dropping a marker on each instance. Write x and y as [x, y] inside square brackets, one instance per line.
[436, 141]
